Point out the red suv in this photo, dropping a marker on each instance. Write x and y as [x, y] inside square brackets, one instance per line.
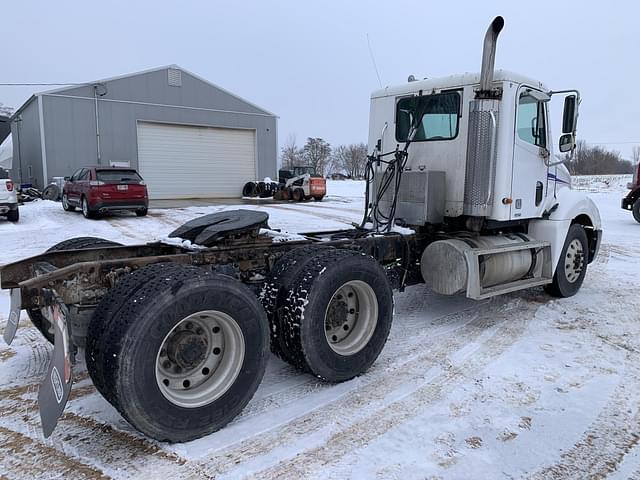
[98, 190]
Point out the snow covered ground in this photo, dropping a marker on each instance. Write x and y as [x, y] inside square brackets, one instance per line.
[517, 386]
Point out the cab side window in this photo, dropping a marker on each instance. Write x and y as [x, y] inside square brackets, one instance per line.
[84, 175]
[531, 121]
[76, 175]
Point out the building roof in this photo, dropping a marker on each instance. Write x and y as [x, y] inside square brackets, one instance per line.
[72, 86]
[453, 81]
[5, 127]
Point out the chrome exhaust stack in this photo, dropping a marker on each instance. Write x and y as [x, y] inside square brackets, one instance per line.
[484, 113]
[489, 53]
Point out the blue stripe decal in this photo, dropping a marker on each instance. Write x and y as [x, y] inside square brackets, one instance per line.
[551, 176]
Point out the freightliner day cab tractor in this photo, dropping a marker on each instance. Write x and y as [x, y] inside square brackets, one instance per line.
[177, 337]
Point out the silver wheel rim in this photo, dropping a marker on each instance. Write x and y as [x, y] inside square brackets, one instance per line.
[200, 358]
[65, 203]
[85, 207]
[351, 317]
[574, 261]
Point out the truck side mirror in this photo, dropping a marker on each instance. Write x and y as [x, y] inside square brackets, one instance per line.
[569, 117]
[66, 179]
[567, 143]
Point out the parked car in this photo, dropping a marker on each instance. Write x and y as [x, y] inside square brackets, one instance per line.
[98, 190]
[632, 200]
[8, 198]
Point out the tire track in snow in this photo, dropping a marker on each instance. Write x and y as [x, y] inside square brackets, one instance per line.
[328, 216]
[493, 320]
[365, 430]
[614, 433]
[400, 351]
[24, 457]
[606, 441]
[109, 448]
[329, 206]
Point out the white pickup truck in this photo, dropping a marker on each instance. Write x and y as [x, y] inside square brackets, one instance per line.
[8, 198]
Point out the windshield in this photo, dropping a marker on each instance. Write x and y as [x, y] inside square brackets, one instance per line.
[304, 170]
[439, 117]
[118, 176]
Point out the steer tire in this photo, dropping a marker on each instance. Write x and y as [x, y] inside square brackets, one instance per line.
[275, 288]
[318, 298]
[141, 330]
[77, 243]
[563, 286]
[636, 210]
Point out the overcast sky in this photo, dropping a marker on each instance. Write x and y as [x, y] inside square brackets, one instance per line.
[309, 63]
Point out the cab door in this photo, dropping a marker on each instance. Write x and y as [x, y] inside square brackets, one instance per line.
[530, 154]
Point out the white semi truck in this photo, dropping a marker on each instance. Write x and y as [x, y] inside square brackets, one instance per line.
[177, 339]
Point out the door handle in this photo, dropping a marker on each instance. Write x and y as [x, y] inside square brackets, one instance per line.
[539, 192]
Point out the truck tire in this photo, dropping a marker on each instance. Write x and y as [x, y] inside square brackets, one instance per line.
[249, 189]
[184, 355]
[277, 284]
[298, 195]
[51, 192]
[113, 302]
[77, 243]
[636, 210]
[572, 266]
[13, 215]
[337, 316]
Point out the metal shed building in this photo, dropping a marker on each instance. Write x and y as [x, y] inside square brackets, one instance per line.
[187, 137]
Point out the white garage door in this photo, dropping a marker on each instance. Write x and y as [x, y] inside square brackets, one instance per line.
[190, 162]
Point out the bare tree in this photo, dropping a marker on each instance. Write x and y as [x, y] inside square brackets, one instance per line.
[5, 110]
[351, 159]
[635, 154]
[291, 154]
[317, 153]
[597, 160]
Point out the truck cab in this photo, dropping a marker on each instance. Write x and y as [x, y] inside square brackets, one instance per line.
[472, 155]
[632, 200]
[527, 174]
